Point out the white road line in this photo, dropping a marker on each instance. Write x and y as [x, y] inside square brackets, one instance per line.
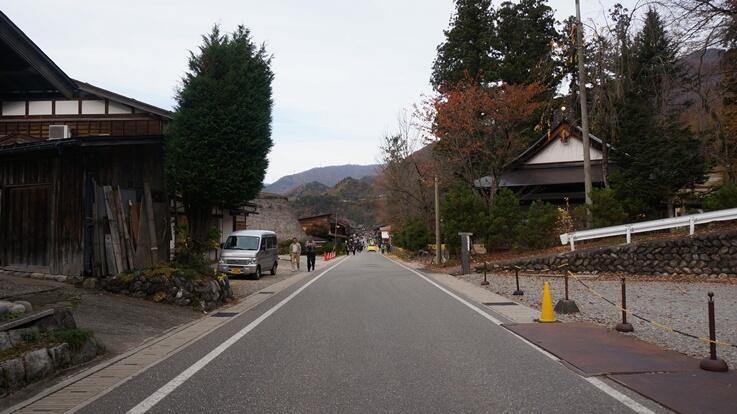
[604, 387]
[172, 385]
[612, 392]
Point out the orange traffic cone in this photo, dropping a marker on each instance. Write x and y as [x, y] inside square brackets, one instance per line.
[546, 313]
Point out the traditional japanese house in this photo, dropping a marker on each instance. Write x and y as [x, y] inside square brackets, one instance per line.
[551, 169]
[82, 188]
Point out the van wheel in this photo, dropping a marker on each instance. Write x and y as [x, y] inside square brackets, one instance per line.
[258, 272]
[273, 268]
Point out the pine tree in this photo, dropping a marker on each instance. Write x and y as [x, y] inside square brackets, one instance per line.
[657, 156]
[221, 133]
[524, 43]
[467, 46]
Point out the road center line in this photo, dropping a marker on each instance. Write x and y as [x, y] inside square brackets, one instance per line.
[601, 385]
[172, 385]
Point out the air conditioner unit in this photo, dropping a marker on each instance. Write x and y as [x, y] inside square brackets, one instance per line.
[59, 132]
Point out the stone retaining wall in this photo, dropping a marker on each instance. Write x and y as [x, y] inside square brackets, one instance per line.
[202, 294]
[709, 255]
[29, 353]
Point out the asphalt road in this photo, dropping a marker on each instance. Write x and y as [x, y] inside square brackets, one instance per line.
[367, 336]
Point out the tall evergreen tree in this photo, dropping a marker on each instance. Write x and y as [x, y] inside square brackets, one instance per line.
[657, 155]
[524, 43]
[467, 46]
[221, 133]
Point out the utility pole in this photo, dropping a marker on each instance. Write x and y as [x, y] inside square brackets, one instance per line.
[584, 112]
[438, 253]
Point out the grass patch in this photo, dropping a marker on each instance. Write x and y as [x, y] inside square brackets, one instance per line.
[5, 317]
[76, 338]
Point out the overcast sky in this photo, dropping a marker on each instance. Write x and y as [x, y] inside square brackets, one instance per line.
[344, 69]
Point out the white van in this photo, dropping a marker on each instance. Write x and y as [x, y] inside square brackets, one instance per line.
[249, 252]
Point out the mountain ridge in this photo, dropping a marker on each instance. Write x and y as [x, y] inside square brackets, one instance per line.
[328, 176]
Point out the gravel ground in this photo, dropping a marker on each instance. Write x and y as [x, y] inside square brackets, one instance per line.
[677, 304]
[245, 285]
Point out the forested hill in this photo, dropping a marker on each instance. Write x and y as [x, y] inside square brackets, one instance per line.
[353, 200]
[328, 176]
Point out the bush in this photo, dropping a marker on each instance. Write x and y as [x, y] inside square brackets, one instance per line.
[606, 209]
[724, 197]
[191, 258]
[504, 220]
[413, 235]
[76, 338]
[462, 211]
[538, 231]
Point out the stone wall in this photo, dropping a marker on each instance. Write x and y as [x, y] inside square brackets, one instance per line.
[178, 288]
[708, 255]
[35, 349]
[275, 214]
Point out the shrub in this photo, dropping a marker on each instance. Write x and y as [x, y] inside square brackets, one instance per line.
[76, 338]
[724, 197]
[504, 220]
[606, 209]
[413, 235]
[538, 231]
[462, 211]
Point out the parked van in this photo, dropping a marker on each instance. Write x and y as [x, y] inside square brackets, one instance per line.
[249, 252]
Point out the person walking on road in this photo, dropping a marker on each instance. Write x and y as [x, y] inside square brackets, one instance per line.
[310, 249]
[295, 250]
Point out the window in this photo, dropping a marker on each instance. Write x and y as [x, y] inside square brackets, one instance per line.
[241, 243]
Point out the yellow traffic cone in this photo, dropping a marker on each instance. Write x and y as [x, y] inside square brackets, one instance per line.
[547, 314]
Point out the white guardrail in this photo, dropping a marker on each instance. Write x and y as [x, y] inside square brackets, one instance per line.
[645, 226]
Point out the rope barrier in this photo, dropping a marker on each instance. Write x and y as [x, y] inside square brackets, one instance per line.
[650, 321]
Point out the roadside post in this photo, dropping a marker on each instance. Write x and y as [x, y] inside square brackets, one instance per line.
[465, 252]
[713, 363]
[517, 292]
[624, 326]
[485, 282]
[566, 306]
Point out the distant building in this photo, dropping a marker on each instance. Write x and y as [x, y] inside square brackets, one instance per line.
[82, 188]
[340, 229]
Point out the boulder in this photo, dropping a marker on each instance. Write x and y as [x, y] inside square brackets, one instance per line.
[27, 305]
[60, 355]
[5, 306]
[18, 336]
[90, 283]
[13, 373]
[37, 364]
[87, 352]
[16, 308]
[5, 341]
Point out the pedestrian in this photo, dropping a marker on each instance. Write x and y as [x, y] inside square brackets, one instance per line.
[295, 250]
[310, 249]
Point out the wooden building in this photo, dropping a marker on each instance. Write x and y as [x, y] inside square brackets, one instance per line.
[82, 189]
[551, 169]
[337, 228]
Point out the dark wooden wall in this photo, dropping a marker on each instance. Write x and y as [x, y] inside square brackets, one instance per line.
[42, 205]
[84, 127]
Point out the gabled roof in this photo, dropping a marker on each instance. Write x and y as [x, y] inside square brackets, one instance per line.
[24, 65]
[562, 128]
[104, 93]
[25, 69]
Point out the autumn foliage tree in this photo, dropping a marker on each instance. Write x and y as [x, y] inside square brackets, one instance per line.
[478, 129]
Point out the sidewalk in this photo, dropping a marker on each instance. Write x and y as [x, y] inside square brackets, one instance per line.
[671, 379]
